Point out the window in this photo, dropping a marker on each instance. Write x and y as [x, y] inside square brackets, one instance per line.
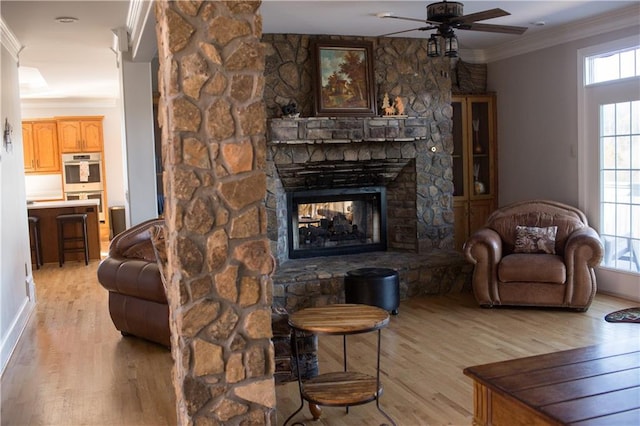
[620, 184]
[612, 66]
[608, 159]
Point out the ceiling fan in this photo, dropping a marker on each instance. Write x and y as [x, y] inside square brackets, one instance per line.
[446, 16]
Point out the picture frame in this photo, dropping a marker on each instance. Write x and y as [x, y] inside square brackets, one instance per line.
[343, 78]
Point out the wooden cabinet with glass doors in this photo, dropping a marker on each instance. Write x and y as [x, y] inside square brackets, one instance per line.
[475, 163]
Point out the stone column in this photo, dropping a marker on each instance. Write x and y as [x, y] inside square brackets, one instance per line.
[219, 263]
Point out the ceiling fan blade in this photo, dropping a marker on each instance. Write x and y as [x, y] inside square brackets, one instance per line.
[403, 18]
[490, 28]
[481, 16]
[412, 29]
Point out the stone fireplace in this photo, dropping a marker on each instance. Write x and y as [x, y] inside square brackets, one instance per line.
[397, 154]
[409, 156]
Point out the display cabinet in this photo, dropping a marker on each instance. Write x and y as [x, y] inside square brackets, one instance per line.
[475, 163]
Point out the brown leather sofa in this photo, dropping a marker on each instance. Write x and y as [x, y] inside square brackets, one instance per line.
[137, 299]
[505, 273]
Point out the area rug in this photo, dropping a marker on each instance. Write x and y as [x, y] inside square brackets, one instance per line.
[624, 315]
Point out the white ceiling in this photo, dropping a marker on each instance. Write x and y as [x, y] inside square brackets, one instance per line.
[76, 59]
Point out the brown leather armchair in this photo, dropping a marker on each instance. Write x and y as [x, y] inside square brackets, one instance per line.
[509, 272]
[137, 300]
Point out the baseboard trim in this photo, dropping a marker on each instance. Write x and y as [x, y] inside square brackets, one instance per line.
[10, 341]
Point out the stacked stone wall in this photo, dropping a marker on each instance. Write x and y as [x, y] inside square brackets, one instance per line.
[219, 288]
[402, 69]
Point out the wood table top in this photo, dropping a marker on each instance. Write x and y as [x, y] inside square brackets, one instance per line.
[587, 386]
[340, 319]
[340, 389]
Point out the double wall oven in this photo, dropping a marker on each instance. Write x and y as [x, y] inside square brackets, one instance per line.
[82, 178]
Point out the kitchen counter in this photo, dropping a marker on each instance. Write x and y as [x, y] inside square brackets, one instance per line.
[61, 204]
[47, 211]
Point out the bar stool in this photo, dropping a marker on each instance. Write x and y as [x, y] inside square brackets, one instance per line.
[34, 238]
[73, 218]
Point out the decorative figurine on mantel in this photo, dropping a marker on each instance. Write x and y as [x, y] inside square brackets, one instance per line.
[290, 111]
[395, 110]
[387, 108]
[399, 106]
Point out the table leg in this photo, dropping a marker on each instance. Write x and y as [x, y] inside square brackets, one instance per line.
[315, 410]
[295, 354]
[378, 382]
[344, 360]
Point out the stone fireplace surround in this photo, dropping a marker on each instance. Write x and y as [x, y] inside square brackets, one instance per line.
[410, 156]
[323, 153]
[397, 152]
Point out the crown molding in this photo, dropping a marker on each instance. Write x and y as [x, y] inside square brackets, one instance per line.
[9, 40]
[141, 26]
[615, 20]
[135, 17]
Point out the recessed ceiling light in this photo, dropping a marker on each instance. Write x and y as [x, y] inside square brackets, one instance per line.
[539, 23]
[66, 19]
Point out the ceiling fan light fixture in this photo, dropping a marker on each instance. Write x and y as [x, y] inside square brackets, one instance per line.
[451, 45]
[433, 46]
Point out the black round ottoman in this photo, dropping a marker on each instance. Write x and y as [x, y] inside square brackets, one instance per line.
[373, 286]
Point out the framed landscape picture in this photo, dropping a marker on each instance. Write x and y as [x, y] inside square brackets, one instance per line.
[343, 78]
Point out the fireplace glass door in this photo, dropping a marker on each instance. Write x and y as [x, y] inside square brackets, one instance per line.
[334, 222]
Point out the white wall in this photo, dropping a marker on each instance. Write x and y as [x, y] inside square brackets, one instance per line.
[112, 128]
[17, 298]
[538, 122]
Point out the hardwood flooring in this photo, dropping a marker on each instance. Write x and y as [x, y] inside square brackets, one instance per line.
[72, 367]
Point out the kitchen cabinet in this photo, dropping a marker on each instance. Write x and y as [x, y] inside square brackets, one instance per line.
[474, 163]
[40, 144]
[80, 134]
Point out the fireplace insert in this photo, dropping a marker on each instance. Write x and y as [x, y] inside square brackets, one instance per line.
[341, 221]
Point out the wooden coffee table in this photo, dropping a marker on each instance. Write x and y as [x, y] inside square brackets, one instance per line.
[595, 385]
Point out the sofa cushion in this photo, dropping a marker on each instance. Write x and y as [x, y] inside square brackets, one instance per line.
[532, 239]
[529, 267]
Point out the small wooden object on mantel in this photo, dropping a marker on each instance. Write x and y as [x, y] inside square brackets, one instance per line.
[392, 110]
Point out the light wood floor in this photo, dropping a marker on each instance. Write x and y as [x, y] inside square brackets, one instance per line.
[72, 367]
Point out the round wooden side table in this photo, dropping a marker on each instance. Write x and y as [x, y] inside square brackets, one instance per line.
[344, 388]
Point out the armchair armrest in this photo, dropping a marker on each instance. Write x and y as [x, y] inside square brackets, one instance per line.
[584, 245]
[484, 245]
[583, 251]
[135, 235]
[484, 250]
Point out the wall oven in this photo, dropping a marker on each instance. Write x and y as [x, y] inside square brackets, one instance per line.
[82, 172]
[82, 178]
